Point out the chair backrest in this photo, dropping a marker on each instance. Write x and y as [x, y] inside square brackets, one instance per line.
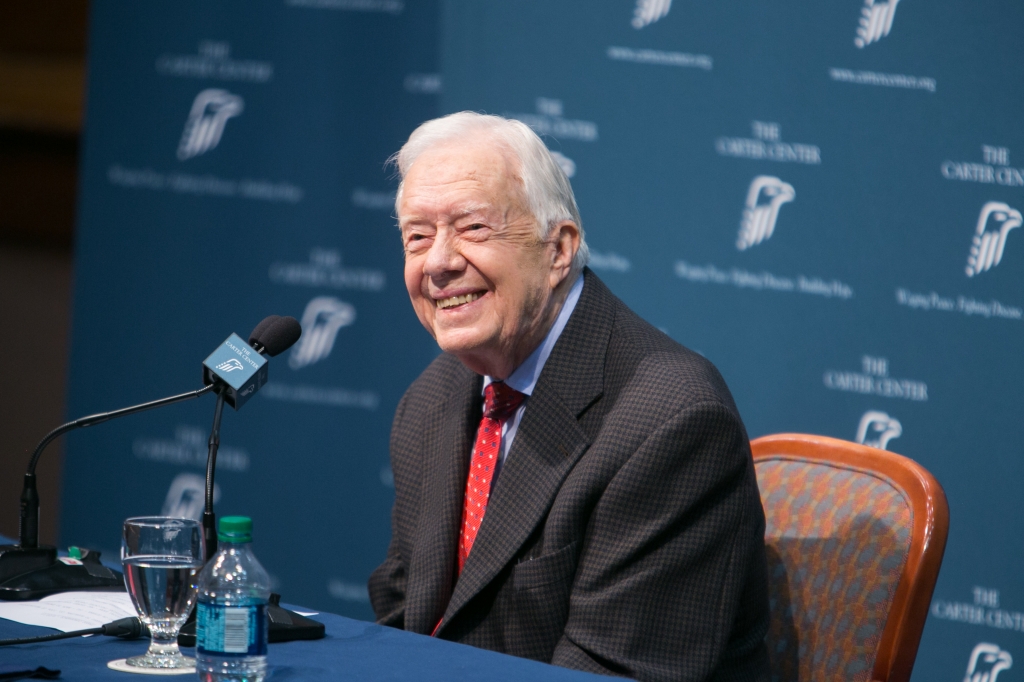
[855, 537]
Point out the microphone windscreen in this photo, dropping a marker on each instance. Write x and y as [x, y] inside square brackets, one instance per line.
[280, 335]
[258, 331]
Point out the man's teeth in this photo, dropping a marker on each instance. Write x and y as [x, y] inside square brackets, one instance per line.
[456, 300]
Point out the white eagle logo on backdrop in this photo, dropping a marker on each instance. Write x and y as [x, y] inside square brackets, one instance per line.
[875, 21]
[876, 429]
[322, 319]
[649, 11]
[210, 112]
[986, 662]
[186, 498]
[994, 223]
[765, 196]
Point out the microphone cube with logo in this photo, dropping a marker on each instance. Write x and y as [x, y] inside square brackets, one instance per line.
[238, 368]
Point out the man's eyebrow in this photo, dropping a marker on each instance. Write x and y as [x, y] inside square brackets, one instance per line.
[411, 220]
[467, 211]
[417, 219]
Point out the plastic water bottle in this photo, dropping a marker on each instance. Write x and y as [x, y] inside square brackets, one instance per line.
[231, 610]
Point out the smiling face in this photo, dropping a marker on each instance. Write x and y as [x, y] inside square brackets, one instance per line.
[481, 282]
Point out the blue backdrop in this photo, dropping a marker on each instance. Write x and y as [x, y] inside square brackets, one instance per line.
[821, 198]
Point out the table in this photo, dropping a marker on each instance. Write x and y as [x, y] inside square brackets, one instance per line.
[352, 650]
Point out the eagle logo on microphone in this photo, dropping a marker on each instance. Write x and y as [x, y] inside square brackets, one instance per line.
[210, 112]
[994, 223]
[322, 319]
[649, 11]
[875, 21]
[764, 198]
[230, 365]
[876, 429]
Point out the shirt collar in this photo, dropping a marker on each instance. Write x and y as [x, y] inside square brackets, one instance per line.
[524, 378]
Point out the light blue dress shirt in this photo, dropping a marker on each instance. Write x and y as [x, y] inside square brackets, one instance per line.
[524, 378]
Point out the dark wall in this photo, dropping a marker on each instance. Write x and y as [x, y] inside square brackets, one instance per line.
[42, 83]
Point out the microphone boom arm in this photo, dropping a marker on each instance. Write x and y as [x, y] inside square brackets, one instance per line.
[29, 517]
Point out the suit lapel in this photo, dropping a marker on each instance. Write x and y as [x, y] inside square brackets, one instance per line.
[548, 443]
[432, 565]
[527, 485]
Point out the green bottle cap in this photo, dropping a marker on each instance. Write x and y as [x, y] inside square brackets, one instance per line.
[235, 529]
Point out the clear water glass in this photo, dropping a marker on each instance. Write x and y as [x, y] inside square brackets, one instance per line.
[162, 558]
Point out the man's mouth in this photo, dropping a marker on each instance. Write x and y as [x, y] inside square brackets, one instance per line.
[453, 301]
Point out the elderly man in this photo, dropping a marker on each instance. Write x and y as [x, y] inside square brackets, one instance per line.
[571, 485]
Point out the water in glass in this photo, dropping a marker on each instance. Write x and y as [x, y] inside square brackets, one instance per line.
[162, 558]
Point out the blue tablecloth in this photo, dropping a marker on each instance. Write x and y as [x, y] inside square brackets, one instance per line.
[352, 650]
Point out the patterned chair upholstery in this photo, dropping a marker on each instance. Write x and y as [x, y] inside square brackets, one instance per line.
[855, 537]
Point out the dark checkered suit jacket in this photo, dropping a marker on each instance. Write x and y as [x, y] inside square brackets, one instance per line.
[624, 534]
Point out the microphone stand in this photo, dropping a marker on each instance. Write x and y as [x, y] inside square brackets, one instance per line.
[209, 518]
[29, 570]
[283, 625]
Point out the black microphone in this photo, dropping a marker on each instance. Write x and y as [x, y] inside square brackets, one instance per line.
[257, 332]
[239, 368]
[275, 335]
[28, 557]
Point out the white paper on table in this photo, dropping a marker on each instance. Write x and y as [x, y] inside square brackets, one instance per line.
[67, 611]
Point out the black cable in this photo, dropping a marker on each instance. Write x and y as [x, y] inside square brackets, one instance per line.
[125, 628]
[50, 638]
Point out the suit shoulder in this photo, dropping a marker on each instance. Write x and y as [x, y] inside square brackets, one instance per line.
[442, 376]
[642, 359]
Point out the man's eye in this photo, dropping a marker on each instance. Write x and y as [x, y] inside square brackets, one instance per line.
[414, 241]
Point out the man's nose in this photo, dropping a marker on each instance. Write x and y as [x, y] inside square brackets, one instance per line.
[444, 257]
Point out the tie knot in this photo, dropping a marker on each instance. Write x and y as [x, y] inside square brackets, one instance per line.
[501, 400]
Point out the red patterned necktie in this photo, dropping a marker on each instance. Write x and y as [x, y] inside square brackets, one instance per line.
[500, 403]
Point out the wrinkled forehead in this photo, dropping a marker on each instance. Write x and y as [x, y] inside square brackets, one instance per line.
[477, 169]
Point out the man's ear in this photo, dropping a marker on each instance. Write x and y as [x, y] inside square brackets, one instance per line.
[567, 243]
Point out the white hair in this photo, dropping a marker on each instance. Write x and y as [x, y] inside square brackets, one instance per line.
[544, 183]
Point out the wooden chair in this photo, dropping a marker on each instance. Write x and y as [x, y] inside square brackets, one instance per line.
[855, 537]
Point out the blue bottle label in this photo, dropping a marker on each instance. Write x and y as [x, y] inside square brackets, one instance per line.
[231, 630]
